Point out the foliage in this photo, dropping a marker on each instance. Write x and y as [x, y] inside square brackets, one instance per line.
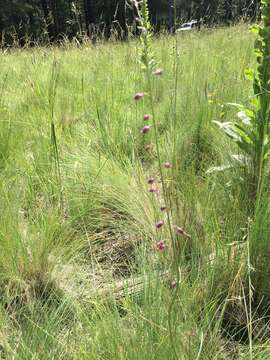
[86, 278]
[50, 20]
[251, 132]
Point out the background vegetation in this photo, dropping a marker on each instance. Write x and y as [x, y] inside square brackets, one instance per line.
[26, 21]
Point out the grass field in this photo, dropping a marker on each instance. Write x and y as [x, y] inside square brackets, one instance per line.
[80, 273]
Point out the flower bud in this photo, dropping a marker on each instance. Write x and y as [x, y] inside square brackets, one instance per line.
[145, 129]
[146, 117]
[158, 72]
[159, 224]
[167, 165]
[161, 245]
[138, 96]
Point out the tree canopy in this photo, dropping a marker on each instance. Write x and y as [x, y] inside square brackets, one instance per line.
[49, 20]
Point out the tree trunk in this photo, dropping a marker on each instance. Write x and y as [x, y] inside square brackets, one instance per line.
[228, 10]
[53, 9]
[122, 19]
[89, 15]
[171, 15]
[254, 9]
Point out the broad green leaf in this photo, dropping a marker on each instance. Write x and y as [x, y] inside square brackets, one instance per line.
[249, 74]
[255, 102]
[246, 133]
[242, 159]
[246, 120]
[238, 106]
[237, 160]
[247, 148]
[221, 168]
[254, 29]
[229, 129]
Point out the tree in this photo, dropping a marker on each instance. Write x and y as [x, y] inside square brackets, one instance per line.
[89, 11]
[32, 18]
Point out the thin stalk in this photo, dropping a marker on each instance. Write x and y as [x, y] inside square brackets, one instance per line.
[176, 256]
[166, 201]
[57, 161]
[176, 77]
[147, 60]
[160, 168]
[52, 96]
[250, 296]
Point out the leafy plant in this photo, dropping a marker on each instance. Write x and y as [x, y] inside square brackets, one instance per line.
[252, 130]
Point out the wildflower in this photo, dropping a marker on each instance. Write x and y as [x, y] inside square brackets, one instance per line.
[153, 188]
[180, 231]
[138, 96]
[146, 117]
[145, 129]
[173, 284]
[167, 165]
[159, 224]
[151, 180]
[158, 72]
[161, 245]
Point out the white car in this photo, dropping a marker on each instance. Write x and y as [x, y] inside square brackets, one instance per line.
[188, 26]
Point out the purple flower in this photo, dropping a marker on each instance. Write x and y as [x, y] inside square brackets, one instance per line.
[161, 245]
[138, 96]
[159, 224]
[146, 117]
[167, 165]
[151, 180]
[158, 72]
[145, 129]
[153, 188]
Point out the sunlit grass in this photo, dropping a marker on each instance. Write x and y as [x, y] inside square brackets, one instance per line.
[72, 248]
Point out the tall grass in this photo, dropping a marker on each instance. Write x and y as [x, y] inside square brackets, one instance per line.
[85, 279]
